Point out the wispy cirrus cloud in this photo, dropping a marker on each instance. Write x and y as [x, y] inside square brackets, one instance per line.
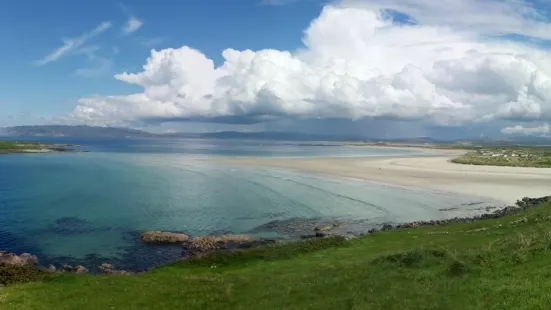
[73, 44]
[132, 25]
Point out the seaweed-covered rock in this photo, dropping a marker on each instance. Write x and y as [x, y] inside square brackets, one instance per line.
[204, 244]
[526, 202]
[163, 237]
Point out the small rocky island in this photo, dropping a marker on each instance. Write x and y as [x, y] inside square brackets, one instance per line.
[16, 147]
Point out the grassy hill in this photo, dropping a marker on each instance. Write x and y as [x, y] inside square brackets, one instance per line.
[487, 264]
[539, 157]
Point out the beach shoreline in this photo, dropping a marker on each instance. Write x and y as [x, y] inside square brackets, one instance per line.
[429, 172]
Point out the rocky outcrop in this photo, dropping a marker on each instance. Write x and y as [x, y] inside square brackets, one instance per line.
[326, 229]
[163, 237]
[50, 269]
[73, 269]
[110, 269]
[523, 204]
[197, 246]
[24, 259]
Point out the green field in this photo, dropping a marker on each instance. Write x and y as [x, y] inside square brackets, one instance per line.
[508, 156]
[488, 264]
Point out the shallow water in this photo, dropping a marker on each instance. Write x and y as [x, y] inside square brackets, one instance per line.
[90, 207]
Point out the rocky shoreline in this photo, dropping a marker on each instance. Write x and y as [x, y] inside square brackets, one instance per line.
[198, 246]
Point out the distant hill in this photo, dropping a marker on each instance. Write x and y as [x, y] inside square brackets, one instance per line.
[92, 131]
[72, 131]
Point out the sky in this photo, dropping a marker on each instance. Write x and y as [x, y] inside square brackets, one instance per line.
[378, 68]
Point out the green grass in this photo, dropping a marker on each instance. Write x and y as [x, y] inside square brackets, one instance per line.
[18, 145]
[508, 156]
[489, 264]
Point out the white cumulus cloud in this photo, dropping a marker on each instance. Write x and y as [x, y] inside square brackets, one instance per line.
[489, 17]
[356, 63]
[529, 131]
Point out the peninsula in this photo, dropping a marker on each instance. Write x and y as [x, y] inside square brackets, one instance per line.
[13, 147]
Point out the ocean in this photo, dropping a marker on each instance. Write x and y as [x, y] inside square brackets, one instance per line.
[90, 207]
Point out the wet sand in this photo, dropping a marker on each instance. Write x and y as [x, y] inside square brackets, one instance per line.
[506, 184]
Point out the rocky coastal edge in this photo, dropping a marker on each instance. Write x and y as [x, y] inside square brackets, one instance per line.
[198, 246]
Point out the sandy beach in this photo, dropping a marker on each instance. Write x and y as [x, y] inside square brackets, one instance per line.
[506, 184]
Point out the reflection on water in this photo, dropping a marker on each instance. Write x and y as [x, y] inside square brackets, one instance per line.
[91, 207]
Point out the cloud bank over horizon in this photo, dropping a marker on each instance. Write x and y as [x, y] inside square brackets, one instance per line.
[359, 61]
[542, 130]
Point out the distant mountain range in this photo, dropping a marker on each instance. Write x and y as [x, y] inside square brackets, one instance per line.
[72, 131]
[92, 131]
[117, 132]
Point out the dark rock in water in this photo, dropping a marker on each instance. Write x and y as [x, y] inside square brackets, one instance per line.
[387, 227]
[73, 225]
[289, 227]
[24, 259]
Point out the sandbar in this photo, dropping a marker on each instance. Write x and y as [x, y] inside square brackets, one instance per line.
[505, 184]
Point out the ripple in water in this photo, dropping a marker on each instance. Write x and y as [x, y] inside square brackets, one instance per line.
[90, 208]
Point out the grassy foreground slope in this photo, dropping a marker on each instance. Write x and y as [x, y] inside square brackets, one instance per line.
[490, 264]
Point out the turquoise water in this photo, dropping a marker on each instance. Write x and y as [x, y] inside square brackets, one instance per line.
[90, 208]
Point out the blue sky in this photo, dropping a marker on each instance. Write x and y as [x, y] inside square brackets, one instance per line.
[399, 67]
[53, 88]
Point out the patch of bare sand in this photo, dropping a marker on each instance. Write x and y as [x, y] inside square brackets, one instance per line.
[505, 184]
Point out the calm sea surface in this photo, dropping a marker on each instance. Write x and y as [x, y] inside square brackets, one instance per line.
[90, 208]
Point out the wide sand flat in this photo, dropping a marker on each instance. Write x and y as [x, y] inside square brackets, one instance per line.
[505, 184]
